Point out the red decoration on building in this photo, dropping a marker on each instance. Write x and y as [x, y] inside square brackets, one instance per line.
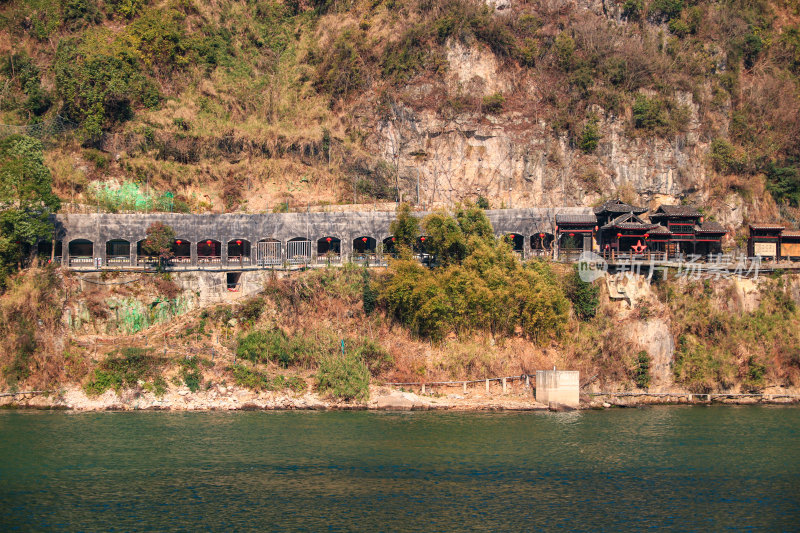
[541, 235]
[208, 242]
[239, 243]
[422, 239]
[571, 234]
[328, 239]
[363, 239]
[392, 239]
[178, 242]
[619, 235]
[646, 235]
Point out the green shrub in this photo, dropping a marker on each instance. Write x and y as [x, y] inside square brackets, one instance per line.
[373, 355]
[590, 136]
[723, 157]
[251, 309]
[250, 378]
[641, 373]
[679, 27]
[663, 10]
[343, 71]
[632, 9]
[649, 113]
[191, 374]
[261, 346]
[129, 366]
[344, 377]
[783, 181]
[583, 295]
[369, 295]
[494, 103]
[98, 80]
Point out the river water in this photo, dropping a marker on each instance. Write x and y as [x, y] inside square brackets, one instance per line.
[681, 468]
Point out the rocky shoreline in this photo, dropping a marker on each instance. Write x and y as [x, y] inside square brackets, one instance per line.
[221, 398]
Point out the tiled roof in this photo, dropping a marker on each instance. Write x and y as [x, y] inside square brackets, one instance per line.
[631, 225]
[790, 233]
[710, 227]
[767, 226]
[676, 211]
[660, 230]
[576, 219]
[618, 206]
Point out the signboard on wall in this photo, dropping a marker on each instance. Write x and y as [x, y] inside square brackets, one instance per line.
[765, 248]
[790, 249]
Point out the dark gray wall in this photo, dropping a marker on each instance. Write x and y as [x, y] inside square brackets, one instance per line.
[100, 228]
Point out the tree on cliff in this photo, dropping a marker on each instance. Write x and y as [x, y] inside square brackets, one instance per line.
[26, 201]
[405, 229]
[160, 238]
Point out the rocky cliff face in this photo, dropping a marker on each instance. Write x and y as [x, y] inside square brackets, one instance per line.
[514, 158]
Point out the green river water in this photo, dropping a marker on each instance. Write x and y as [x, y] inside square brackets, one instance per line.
[678, 468]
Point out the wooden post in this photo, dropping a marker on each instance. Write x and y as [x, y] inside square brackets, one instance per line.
[487, 385]
[423, 388]
[527, 381]
[504, 385]
[465, 387]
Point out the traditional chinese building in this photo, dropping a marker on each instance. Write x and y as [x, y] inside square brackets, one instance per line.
[689, 231]
[765, 240]
[680, 221]
[575, 232]
[773, 241]
[620, 229]
[790, 244]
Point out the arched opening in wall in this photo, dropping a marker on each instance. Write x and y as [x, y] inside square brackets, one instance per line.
[118, 252]
[269, 252]
[329, 250]
[44, 249]
[209, 251]
[364, 249]
[298, 250]
[81, 252]
[517, 242]
[389, 246]
[181, 251]
[239, 251]
[541, 243]
[421, 250]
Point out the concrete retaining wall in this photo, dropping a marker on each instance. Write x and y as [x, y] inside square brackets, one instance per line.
[559, 386]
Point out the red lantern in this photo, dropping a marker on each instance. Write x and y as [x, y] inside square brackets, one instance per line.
[646, 235]
[596, 228]
[178, 242]
[208, 243]
[701, 220]
[363, 239]
[238, 243]
[328, 240]
[422, 239]
[392, 239]
[571, 234]
[619, 235]
[541, 235]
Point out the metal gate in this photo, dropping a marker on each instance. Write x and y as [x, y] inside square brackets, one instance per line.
[268, 253]
[298, 252]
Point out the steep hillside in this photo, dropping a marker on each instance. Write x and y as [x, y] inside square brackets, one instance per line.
[269, 105]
